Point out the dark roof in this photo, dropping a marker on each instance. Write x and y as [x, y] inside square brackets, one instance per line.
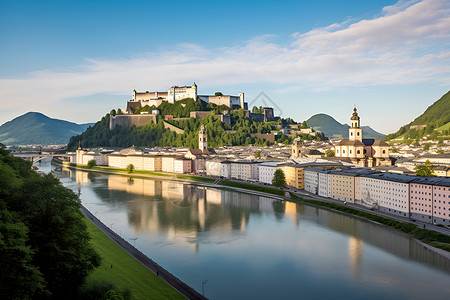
[312, 152]
[442, 181]
[402, 178]
[318, 164]
[368, 142]
[197, 152]
[352, 172]
[348, 142]
[380, 143]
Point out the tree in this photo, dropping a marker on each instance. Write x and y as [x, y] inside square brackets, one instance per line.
[257, 154]
[47, 220]
[20, 279]
[329, 153]
[91, 163]
[279, 180]
[440, 151]
[426, 147]
[130, 168]
[218, 94]
[425, 170]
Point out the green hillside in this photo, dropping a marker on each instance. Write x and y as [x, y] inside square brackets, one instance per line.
[436, 118]
[36, 128]
[333, 129]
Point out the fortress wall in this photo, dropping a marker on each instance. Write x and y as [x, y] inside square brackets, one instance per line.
[130, 120]
[173, 128]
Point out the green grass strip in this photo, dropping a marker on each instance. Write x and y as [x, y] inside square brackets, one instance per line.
[126, 271]
[252, 187]
[141, 172]
[430, 237]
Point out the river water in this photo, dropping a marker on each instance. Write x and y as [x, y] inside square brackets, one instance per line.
[252, 247]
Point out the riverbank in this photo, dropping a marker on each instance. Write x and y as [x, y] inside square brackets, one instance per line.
[435, 240]
[121, 268]
[136, 173]
[430, 237]
[129, 268]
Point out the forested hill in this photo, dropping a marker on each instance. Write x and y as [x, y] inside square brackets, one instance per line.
[239, 133]
[154, 134]
[333, 129]
[37, 128]
[436, 119]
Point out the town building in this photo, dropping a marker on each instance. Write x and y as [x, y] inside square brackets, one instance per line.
[139, 160]
[387, 192]
[429, 199]
[245, 170]
[267, 170]
[182, 165]
[82, 157]
[363, 152]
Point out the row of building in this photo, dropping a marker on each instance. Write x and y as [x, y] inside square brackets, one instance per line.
[421, 198]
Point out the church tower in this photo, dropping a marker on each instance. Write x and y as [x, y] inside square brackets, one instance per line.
[297, 148]
[355, 131]
[202, 139]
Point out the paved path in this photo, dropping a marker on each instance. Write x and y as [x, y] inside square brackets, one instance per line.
[165, 275]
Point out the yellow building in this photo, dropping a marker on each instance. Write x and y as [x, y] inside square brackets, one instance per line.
[295, 173]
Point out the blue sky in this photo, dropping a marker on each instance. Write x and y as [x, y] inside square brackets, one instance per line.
[76, 60]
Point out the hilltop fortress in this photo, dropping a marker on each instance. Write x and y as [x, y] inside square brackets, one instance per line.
[177, 93]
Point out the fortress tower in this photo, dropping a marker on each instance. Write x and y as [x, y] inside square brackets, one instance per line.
[202, 139]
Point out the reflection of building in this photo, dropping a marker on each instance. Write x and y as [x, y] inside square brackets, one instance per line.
[364, 152]
[355, 253]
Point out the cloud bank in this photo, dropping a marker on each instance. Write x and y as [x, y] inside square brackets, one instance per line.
[407, 44]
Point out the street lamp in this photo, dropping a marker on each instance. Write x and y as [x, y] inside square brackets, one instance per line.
[203, 286]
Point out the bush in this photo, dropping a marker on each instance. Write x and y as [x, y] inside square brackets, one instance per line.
[94, 290]
[130, 168]
[91, 164]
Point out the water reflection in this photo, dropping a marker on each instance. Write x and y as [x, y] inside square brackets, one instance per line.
[189, 228]
[182, 211]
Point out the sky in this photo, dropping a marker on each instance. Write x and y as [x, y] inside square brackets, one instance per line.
[77, 60]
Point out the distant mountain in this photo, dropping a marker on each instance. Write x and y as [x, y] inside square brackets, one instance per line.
[434, 121]
[333, 129]
[36, 128]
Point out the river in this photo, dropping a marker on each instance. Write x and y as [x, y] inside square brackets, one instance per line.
[252, 247]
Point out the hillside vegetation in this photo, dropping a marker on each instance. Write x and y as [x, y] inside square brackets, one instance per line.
[44, 245]
[154, 134]
[36, 128]
[436, 118]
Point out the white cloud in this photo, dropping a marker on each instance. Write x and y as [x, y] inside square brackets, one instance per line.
[407, 44]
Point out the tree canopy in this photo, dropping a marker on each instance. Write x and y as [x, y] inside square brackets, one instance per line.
[279, 180]
[425, 170]
[44, 244]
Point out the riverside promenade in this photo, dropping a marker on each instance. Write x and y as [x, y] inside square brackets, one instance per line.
[162, 273]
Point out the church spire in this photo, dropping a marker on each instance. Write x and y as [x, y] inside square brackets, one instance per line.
[355, 132]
